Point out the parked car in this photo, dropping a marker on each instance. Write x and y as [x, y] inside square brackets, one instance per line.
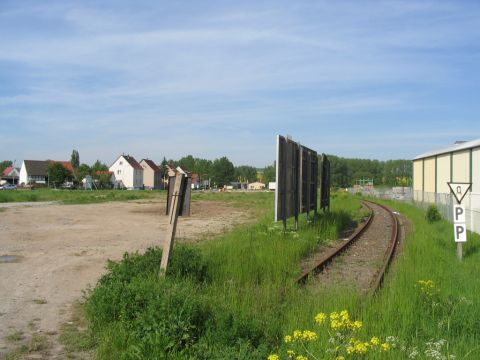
[8, 187]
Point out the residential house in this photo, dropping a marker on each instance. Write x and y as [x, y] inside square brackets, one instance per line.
[10, 175]
[196, 182]
[127, 173]
[152, 174]
[238, 185]
[36, 171]
[256, 186]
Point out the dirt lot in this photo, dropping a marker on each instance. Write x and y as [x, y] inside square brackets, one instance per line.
[62, 249]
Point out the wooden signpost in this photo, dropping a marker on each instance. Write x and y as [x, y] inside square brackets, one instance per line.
[175, 205]
[459, 191]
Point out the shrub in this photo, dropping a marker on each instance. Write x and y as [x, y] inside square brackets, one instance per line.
[137, 315]
[432, 215]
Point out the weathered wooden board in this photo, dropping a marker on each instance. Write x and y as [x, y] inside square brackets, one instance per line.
[186, 199]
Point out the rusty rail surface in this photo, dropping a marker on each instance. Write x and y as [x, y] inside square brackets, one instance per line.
[320, 265]
[379, 275]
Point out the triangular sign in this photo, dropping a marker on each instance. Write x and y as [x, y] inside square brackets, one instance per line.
[459, 190]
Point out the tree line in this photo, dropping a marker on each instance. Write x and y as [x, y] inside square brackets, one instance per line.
[346, 171]
[220, 171]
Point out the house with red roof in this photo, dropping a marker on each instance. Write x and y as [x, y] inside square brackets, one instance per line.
[152, 175]
[10, 175]
[127, 173]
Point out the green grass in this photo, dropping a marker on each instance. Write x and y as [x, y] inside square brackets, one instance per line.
[235, 296]
[76, 196]
[75, 338]
[15, 336]
[39, 301]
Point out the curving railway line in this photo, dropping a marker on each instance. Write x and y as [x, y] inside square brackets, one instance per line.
[361, 260]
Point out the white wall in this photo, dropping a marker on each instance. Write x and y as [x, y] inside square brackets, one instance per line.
[123, 172]
[23, 174]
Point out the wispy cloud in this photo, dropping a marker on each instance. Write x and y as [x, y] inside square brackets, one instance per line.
[204, 71]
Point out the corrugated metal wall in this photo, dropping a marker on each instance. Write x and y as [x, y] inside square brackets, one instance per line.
[430, 178]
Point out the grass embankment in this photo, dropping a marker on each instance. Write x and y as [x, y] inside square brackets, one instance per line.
[75, 196]
[236, 297]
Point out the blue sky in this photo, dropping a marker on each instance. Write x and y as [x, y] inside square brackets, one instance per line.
[365, 79]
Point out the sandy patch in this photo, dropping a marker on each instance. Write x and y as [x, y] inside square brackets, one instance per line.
[62, 249]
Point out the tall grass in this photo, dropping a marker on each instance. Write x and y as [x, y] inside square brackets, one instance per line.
[247, 298]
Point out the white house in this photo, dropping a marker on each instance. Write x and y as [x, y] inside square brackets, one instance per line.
[36, 171]
[127, 173]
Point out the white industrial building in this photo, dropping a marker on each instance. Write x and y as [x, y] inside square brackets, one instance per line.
[432, 171]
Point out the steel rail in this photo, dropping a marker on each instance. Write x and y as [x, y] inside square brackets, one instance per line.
[379, 275]
[320, 265]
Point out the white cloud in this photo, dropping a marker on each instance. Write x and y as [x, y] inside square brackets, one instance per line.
[238, 73]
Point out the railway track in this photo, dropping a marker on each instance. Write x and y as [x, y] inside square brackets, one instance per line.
[364, 257]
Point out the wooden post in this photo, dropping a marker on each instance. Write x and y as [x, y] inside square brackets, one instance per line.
[459, 251]
[172, 224]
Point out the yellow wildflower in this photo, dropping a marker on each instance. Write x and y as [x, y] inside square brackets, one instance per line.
[308, 335]
[300, 357]
[350, 350]
[297, 335]
[320, 318]
[336, 324]
[385, 346]
[340, 358]
[356, 325]
[273, 357]
[334, 315]
[287, 338]
[374, 341]
[290, 353]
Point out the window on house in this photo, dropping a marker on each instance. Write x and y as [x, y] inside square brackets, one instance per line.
[119, 172]
[121, 162]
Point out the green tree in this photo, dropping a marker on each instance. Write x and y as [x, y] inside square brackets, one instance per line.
[345, 171]
[99, 166]
[245, 173]
[75, 159]
[58, 174]
[99, 172]
[270, 173]
[203, 168]
[188, 163]
[223, 171]
[163, 164]
[82, 171]
[104, 180]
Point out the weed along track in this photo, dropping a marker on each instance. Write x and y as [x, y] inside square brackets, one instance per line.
[361, 260]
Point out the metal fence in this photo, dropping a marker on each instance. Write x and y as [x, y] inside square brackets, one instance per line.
[444, 203]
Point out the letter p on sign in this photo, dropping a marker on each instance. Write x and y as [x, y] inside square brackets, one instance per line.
[460, 228]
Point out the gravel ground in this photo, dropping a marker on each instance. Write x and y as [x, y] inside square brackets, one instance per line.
[356, 267]
[58, 250]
